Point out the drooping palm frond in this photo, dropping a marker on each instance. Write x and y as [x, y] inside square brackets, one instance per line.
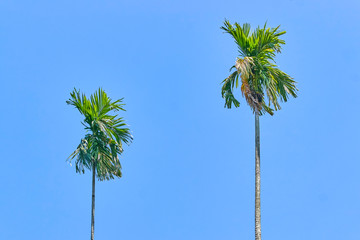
[227, 90]
[260, 77]
[106, 134]
[83, 155]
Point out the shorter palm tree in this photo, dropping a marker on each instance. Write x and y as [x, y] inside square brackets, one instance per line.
[99, 150]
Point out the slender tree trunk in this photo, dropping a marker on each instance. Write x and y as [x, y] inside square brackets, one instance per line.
[257, 179]
[93, 203]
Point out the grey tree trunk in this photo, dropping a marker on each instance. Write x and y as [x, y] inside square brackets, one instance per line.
[257, 179]
[93, 203]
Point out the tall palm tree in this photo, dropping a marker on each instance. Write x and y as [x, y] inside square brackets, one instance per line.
[263, 84]
[99, 150]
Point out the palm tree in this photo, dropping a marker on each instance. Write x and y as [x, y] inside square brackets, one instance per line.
[99, 150]
[259, 74]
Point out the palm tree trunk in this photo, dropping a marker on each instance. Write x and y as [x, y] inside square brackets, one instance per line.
[93, 203]
[257, 179]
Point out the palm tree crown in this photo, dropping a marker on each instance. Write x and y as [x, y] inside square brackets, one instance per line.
[257, 70]
[106, 134]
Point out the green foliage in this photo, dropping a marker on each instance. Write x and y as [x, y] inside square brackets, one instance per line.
[260, 77]
[107, 132]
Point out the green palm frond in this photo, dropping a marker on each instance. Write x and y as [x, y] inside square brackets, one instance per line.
[240, 35]
[107, 133]
[260, 77]
[82, 155]
[227, 90]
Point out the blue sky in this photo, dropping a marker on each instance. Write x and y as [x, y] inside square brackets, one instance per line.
[189, 173]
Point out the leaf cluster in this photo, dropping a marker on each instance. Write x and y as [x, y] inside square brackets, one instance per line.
[106, 133]
[261, 79]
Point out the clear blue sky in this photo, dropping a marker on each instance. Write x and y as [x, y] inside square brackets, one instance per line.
[189, 173]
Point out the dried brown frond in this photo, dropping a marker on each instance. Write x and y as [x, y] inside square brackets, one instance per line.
[243, 65]
[254, 99]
